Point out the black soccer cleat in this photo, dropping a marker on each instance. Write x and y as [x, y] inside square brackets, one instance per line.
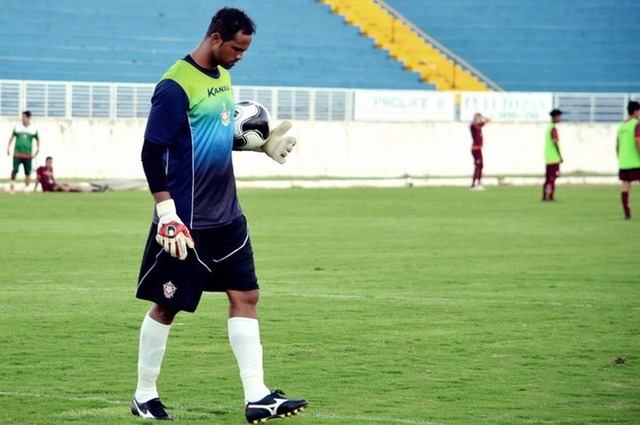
[275, 405]
[152, 409]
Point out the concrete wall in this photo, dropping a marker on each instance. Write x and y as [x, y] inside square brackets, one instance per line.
[98, 149]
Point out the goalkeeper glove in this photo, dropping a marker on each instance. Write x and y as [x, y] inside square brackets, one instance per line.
[172, 234]
[278, 146]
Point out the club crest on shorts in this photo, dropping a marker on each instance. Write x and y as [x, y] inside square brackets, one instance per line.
[169, 289]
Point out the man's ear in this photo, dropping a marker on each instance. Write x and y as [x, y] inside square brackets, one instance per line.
[215, 39]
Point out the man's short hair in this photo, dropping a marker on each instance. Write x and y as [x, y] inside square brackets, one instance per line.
[633, 106]
[555, 113]
[228, 21]
[27, 114]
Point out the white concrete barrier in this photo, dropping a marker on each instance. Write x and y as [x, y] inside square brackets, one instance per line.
[105, 149]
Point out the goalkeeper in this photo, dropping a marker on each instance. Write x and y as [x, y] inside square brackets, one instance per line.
[199, 239]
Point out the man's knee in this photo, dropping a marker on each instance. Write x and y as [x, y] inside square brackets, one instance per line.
[243, 303]
[164, 315]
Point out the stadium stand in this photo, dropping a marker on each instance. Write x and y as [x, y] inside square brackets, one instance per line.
[298, 44]
[546, 45]
[411, 46]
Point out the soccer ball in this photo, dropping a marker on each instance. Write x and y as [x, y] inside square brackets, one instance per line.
[250, 125]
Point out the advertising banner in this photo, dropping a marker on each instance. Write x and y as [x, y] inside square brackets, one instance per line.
[500, 106]
[404, 106]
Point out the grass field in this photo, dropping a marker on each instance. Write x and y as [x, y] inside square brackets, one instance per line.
[418, 306]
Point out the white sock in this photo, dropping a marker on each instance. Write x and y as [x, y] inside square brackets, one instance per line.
[153, 342]
[244, 337]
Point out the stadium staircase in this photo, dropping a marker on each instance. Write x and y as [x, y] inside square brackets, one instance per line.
[409, 45]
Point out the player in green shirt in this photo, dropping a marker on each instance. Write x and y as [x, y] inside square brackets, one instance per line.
[552, 156]
[24, 135]
[628, 150]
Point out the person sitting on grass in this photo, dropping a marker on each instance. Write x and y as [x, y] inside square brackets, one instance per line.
[48, 183]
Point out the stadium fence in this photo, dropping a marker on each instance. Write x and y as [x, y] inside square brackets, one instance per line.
[121, 101]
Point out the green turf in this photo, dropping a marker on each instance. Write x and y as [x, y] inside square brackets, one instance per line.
[381, 306]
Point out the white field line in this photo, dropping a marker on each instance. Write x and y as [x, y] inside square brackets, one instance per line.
[418, 182]
[349, 297]
[59, 397]
[430, 300]
[375, 419]
[372, 419]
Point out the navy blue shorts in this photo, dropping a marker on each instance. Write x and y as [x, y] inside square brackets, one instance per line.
[222, 260]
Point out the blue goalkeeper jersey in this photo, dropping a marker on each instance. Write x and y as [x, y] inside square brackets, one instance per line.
[192, 117]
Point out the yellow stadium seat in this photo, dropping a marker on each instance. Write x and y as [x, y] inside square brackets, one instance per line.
[405, 45]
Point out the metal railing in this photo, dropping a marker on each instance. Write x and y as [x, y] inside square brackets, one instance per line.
[56, 99]
[593, 107]
[59, 99]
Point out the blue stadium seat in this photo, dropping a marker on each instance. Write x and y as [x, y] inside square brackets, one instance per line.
[298, 44]
[546, 45]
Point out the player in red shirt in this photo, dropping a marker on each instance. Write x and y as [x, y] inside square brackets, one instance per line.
[48, 182]
[476, 149]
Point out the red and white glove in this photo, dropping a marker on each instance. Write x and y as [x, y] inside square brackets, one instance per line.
[172, 234]
[278, 146]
